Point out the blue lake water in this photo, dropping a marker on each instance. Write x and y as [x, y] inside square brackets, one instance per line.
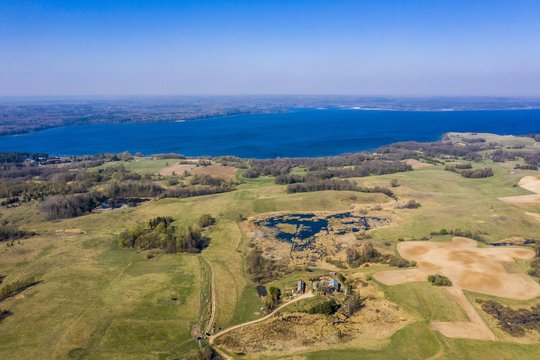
[294, 134]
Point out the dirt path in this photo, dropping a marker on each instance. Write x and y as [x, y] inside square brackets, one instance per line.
[212, 298]
[223, 332]
[475, 329]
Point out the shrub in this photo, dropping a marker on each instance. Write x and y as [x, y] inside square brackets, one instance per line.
[439, 280]
[261, 269]
[411, 204]
[327, 307]
[206, 220]
[12, 232]
[16, 287]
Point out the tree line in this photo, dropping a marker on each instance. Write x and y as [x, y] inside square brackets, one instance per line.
[338, 185]
[16, 287]
[12, 232]
[470, 173]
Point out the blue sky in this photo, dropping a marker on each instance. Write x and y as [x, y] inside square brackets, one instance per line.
[403, 48]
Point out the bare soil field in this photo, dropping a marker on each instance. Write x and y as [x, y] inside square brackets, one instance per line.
[219, 171]
[531, 183]
[177, 169]
[476, 328]
[469, 267]
[416, 164]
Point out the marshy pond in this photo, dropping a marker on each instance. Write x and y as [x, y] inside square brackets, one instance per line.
[300, 229]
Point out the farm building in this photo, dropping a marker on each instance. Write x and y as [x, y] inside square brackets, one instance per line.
[333, 285]
[301, 287]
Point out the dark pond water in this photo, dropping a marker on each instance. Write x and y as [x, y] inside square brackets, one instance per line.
[306, 226]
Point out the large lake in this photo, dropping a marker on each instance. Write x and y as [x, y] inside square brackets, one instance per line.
[294, 134]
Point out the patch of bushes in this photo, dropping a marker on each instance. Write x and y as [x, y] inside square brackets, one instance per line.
[273, 297]
[327, 307]
[159, 233]
[478, 236]
[338, 185]
[191, 191]
[12, 232]
[4, 314]
[525, 167]
[411, 204]
[368, 253]
[16, 287]
[502, 156]
[532, 159]
[514, 322]
[337, 263]
[477, 173]
[206, 220]
[261, 269]
[470, 173]
[289, 179]
[366, 168]
[352, 304]
[439, 280]
[535, 263]
[63, 207]
[133, 188]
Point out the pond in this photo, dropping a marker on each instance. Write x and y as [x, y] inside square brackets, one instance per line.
[300, 229]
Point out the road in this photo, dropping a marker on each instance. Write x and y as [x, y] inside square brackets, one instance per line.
[266, 317]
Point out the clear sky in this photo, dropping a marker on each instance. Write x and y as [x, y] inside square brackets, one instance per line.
[377, 47]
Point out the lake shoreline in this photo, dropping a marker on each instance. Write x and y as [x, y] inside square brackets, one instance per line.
[295, 133]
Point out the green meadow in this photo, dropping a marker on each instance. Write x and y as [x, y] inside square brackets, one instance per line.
[97, 300]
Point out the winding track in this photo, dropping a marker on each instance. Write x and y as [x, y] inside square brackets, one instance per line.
[223, 332]
[212, 298]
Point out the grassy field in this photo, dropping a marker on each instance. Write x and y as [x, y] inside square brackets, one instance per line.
[451, 201]
[426, 301]
[99, 301]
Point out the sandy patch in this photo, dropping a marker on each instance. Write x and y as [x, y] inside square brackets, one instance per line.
[482, 270]
[533, 215]
[218, 171]
[469, 267]
[416, 164]
[177, 169]
[531, 183]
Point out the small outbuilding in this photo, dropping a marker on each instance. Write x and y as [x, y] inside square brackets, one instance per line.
[334, 285]
[301, 287]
